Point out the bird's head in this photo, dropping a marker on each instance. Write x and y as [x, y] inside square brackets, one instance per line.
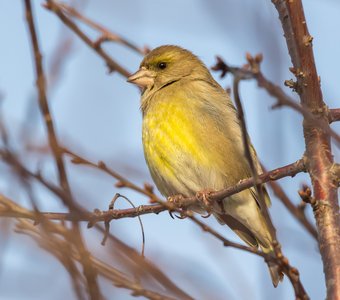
[165, 65]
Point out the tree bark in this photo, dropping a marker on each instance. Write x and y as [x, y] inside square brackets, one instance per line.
[318, 142]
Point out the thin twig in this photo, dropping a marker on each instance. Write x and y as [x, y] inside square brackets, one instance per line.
[282, 261]
[141, 264]
[112, 65]
[248, 154]
[294, 210]
[106, 35]
[88, 270]
[282, 99]
[63, 248]
[43, 103]
[285, 171]
[289, 170]
[122, 181]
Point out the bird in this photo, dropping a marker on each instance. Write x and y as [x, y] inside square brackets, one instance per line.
[192, 141]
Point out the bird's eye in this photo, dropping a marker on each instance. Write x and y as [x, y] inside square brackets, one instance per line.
[162, 65]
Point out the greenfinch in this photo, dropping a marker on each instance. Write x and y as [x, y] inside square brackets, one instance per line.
[192, 142]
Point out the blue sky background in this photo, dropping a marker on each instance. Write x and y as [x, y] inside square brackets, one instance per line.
[97, 115]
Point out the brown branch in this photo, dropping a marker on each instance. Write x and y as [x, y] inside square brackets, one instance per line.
[318, 146]
[285, 171]
[294, 210]
[334, 115]
[245, 138]
[139, 262]
[253, 71]
[107, 271]
[248, 154]
[43, 103]
[112, 65]
[282, 261]
[106, 35]
[96, 46]
[178, 202]
[88, 270]
[122, 181]
[66, 251]
[291, 272]
[289, 170]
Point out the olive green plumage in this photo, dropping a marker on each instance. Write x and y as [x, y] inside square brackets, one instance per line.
[192, 142]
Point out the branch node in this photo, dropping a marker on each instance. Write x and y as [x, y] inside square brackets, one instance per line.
[306, 195]
[291, 84]
[106, 232]
[148, 187]
[120, 184]
[307, 40]
[335, 172]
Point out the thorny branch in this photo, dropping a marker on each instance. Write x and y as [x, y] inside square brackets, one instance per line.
[317, 140]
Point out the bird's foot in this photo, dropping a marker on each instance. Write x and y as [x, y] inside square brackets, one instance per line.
[176, 200]
[204, 197]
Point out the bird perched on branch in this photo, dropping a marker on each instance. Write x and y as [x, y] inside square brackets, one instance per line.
[192, 142]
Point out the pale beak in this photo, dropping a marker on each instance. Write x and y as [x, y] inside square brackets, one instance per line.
[142, 77]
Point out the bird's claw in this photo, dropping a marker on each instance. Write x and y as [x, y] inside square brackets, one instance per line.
[181, 216]
[206, 216]
[176, 200]
[204, 197]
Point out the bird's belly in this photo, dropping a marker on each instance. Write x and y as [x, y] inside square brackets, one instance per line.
[172, 150]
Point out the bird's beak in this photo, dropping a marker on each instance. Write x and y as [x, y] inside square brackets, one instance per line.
[142, 77]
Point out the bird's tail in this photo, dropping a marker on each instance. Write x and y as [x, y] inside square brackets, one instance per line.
[247, 236]
[274, 269]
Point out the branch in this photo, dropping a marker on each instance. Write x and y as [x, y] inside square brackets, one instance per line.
[88, 270]
[248, 154]
[253, 71]
[182, 202]
[334, 115]
[122, 181]
[106, 35]
[178, 202]
[294, 210]
[43, 103]
[318, 147]
[59, 11]
[122, 281]
[62, 246]
[141, 264]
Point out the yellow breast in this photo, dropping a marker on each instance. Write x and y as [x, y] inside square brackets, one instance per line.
[172, 147]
